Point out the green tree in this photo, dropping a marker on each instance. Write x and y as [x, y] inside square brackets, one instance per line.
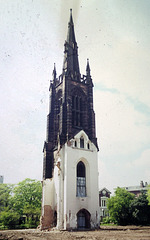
[20, 202]
[27, 200]
[9, 219]
[118, 206]
[148, 194]
[5, 195]
[140, 210]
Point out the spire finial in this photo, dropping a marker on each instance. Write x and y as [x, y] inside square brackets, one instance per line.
[88, 74]
[70, 13]
[88, 67]
[54, 72]
[71, 19]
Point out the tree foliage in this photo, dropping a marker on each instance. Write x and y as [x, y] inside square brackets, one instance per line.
[148, 194]
[27, 194]
[125, 208]
[20, 204]
[140, 210]
[5, 195]
[118, 206]
[9, 219]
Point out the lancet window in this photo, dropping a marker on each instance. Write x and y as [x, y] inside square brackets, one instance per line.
[81, 179]
[76, 111]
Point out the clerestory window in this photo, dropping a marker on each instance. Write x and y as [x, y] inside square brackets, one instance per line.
[81, 180]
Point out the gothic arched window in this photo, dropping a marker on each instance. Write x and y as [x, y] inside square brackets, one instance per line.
[81, 142]
[81, 179]
[76, 111]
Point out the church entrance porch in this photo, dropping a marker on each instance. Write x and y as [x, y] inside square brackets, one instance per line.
[83, 219]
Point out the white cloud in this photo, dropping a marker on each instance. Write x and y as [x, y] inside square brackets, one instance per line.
[122, 133]
[140, 167]
[20, 157]
[121, 129]
[143, 160]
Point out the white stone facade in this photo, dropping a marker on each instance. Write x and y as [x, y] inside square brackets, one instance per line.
[76, 206]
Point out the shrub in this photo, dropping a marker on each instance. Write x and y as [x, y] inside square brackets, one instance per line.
[9, 219]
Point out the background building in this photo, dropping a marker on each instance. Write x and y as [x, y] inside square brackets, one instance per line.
[104, 194]
[137, 189]
[1, 179]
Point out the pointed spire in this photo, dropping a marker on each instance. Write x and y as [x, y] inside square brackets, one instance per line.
[71, 34]
[54, 73]
[71, 63]
[88, 74]
[88, 68]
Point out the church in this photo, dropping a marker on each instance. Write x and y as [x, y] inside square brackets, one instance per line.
[70, 195]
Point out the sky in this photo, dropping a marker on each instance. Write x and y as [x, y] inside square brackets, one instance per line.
[115, 36]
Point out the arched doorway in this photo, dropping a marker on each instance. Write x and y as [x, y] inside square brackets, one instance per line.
[83, 219]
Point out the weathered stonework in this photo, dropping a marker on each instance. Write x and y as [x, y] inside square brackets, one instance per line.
[47, 220]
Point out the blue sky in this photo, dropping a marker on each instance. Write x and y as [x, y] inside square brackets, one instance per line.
[115, 36]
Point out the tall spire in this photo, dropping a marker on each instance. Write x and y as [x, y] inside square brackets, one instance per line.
[71, 34]
[71, 63]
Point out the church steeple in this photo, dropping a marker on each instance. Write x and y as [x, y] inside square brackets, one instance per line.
[70, 104]
[71, 34]
[71, 63]
[70, 149]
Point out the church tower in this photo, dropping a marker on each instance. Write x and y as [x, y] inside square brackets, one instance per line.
[70, 162]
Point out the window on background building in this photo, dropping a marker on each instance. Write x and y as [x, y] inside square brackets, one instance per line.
[103, 203]
[81, 180]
